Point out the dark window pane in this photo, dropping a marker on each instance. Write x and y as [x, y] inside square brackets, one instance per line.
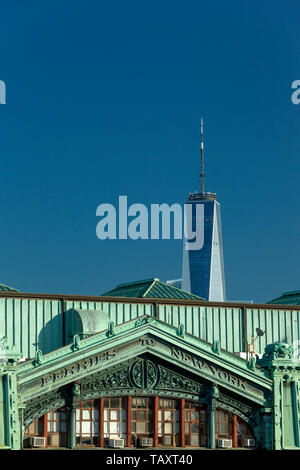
[150, 402]
[106, 402]
[114, 402]
[86, 441]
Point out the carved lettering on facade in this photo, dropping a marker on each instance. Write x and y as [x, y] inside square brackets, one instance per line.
[202, 365]
[78, 366]
[147, 341]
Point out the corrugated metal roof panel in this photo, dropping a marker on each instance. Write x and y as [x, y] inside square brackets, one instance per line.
[4, 288]
[287, 298]
[150, 288]
[131, 289]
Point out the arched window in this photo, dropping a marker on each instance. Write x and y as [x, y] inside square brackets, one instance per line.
[138, 420]
[35, 429]
[230, 426]
[244, 432]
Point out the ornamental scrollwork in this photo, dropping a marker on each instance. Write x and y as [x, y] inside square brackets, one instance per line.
[39, 406]
[278, 350]
[116, 379]
[144, 374]
[171, 381]
[245, 409]
[143, 320]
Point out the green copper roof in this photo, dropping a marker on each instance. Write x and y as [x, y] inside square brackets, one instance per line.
[153, 288]
[287, 298]
[4, 288]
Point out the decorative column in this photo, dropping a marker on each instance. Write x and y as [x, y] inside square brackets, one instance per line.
[155, 423]
[266, 428]
[234, 431]
[283, 366]
[128, 427]
[72, 426]
[212, 406]
[11, 419]
[72, 416]
[182, 422]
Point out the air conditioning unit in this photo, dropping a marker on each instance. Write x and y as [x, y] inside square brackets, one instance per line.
[146, 442]
[37, 441]
[249, 442]
[116, 443]
[224, 443]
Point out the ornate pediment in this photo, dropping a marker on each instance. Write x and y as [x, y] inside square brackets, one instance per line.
[121, 364]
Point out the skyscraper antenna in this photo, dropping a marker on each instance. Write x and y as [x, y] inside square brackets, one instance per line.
[202, 175]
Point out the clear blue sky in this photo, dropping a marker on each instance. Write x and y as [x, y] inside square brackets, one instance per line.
[105, 99]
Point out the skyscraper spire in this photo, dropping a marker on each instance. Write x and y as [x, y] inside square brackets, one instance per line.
[202, 175]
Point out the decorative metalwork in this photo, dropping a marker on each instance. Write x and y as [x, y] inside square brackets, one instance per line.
[143, 320]
[43, 404]
[116, 379]
[169, 380]
[247, 410]
[144, 374]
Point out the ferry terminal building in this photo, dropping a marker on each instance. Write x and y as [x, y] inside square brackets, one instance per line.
[147, 365]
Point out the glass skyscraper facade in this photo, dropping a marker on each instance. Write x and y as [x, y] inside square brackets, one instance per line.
[203, 269]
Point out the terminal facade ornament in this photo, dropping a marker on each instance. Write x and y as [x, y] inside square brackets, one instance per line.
[152, 360]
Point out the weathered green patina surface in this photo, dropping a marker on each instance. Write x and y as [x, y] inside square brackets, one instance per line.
[148, 356]
[151, 288]
[168, 347]
[36, 321]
